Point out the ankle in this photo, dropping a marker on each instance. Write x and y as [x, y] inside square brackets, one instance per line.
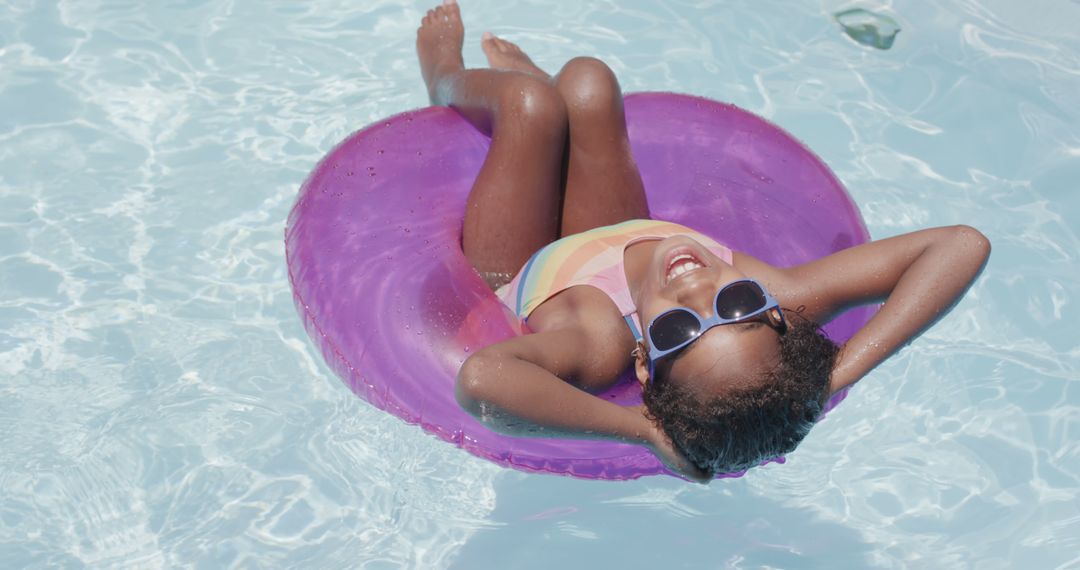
[440, 86]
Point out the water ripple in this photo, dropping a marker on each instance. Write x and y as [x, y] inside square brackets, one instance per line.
[161, 405]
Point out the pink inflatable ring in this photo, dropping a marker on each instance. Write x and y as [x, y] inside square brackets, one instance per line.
[373, 250]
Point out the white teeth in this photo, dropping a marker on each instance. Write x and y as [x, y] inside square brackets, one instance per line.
[682, 264]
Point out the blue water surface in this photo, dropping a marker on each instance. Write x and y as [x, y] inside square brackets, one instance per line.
[161, 405]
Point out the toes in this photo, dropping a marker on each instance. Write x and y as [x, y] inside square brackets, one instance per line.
[494, 41]
[490, 40]
[509, 45]
[447, 12]
[506, 46]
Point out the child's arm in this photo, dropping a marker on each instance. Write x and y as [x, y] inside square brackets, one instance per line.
[516, 387]
[919, 276]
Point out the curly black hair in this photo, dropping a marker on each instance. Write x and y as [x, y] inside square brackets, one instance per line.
[745, 426]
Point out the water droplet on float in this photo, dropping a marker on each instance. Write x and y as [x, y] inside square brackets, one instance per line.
[418, 153]
[466, 349]
[381, 151]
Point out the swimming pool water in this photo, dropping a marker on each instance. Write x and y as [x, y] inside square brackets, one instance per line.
[160, 404]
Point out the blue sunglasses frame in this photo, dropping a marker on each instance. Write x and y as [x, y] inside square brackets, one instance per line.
[714, 321]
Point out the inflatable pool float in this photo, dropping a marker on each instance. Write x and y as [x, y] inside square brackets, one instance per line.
[373, 251]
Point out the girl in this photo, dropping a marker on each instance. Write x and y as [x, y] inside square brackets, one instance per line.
[730, 376]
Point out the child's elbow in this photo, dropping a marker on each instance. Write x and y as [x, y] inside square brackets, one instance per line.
[473, 385]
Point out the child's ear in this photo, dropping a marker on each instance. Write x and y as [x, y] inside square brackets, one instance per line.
[641, 364]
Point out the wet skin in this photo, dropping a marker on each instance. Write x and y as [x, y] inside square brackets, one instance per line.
[560, 164]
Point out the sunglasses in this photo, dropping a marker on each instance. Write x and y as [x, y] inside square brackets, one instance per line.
[740, 301]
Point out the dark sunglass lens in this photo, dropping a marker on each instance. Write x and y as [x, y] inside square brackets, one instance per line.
[673, 329]
[739, 299]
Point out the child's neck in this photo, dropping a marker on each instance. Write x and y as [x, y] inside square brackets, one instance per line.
[637, 258]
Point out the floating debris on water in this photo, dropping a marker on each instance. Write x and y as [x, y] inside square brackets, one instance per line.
[868, 28]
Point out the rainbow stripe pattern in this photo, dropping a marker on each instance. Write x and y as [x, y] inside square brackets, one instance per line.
[595, 258]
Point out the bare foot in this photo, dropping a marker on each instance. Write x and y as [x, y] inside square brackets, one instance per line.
[438, 44]
[502, 54]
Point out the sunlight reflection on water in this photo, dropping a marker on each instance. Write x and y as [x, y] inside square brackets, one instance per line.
[162, 405]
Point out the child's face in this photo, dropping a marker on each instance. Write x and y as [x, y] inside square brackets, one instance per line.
[725, 356]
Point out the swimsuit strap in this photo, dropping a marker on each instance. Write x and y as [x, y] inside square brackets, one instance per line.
[633, 326]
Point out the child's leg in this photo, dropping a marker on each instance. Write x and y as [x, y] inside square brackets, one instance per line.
[602, 183]
[514, 206]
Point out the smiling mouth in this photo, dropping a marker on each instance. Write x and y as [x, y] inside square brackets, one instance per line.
[681, 264]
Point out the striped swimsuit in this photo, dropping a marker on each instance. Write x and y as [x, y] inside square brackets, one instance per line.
[595, 258]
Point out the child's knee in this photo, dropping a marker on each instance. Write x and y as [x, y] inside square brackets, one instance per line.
[533, 102]
[586, 83]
